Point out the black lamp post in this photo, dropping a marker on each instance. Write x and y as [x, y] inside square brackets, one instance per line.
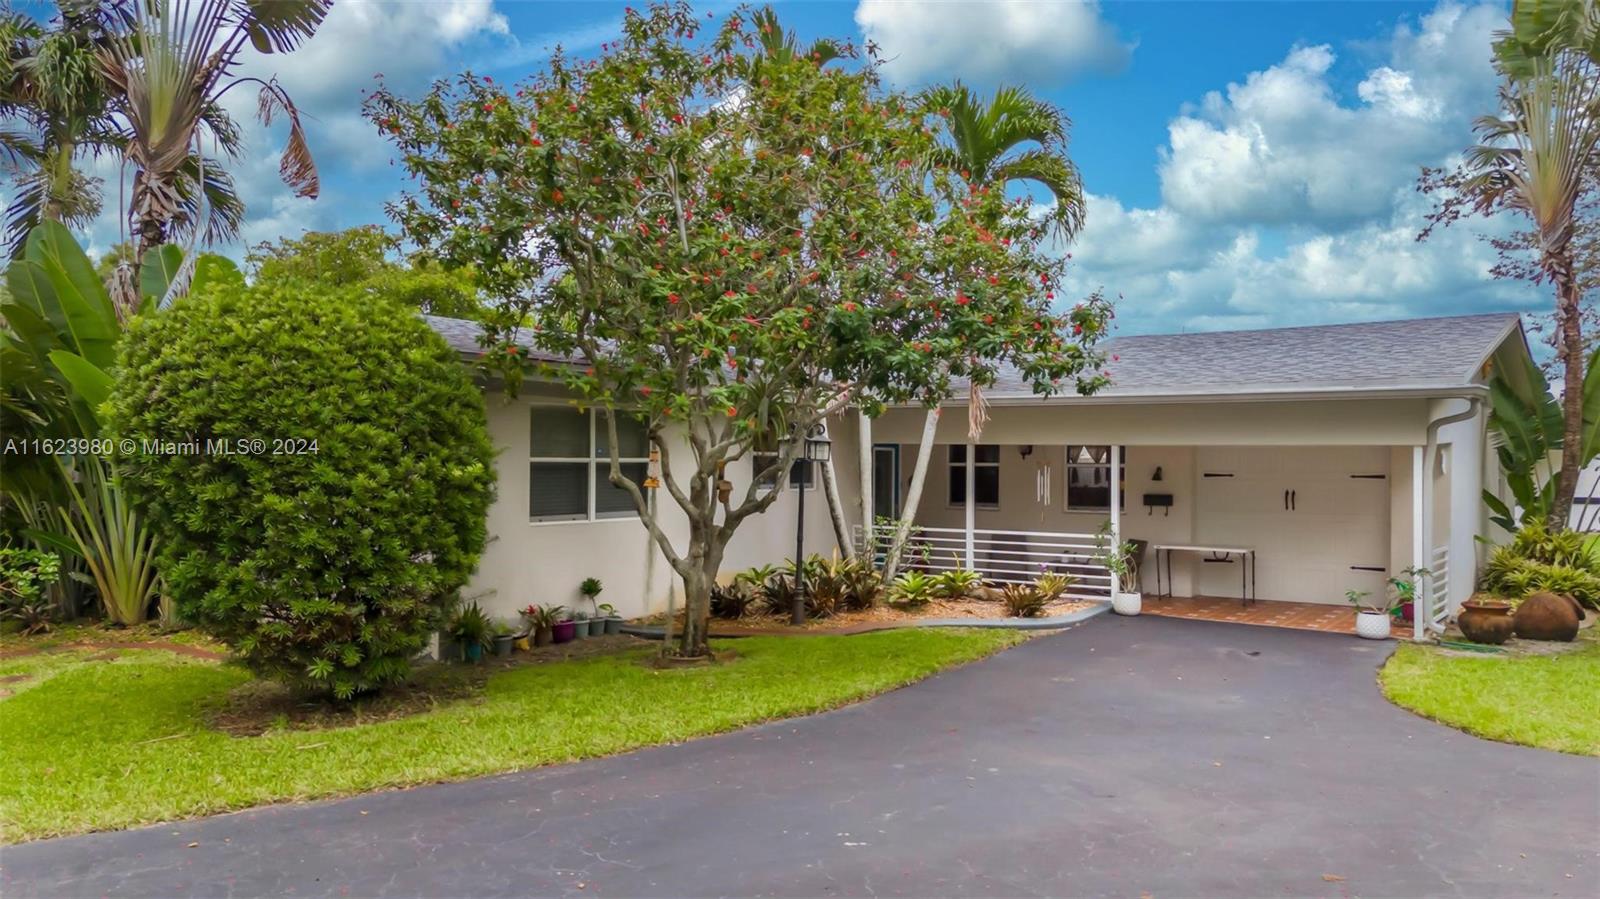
[817, 448]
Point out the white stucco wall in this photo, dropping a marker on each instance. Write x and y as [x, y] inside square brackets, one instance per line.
[543, 562]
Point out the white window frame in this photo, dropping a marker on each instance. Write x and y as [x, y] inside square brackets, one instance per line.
[950, 467]
[760, 461]
[596, 464]
[1066, 481]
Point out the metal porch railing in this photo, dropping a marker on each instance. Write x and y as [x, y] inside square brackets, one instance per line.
[1005, 557]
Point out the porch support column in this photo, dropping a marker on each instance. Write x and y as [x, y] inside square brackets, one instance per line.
[1419, 536]
[972, 510]
[866, 456]
[1116, 510]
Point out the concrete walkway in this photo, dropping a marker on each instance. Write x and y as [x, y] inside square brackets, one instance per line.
[1122, 757]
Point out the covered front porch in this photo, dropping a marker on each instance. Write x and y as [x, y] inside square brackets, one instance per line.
[1290, 527]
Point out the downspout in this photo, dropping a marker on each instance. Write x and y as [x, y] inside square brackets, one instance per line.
[1423, 619]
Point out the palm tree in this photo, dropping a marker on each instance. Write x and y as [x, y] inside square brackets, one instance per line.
[50, 86]
[53, 87]
[1532, 159]
[985, 141]
[782, 46]
[170, 69]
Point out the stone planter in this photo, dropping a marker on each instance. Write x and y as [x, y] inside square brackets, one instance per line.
[1485, 621]
[1127, 603]
[1546, 616]
[1372, 625]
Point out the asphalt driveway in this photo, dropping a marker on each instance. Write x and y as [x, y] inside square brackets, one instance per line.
[1123, 757]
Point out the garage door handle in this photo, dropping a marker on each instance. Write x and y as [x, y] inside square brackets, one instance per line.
[1285, 500]
[1294, 500]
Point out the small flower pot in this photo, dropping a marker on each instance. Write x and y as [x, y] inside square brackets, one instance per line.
[449, 649]
[472, 652]
[542, 636]
[1407, 612]
[1372, 625]
[614, 624]
[597, 627]
[502, 645]
[580, 628]
[563, 632]
[1127, 603]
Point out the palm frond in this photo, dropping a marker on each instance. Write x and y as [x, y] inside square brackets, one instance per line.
[296, 166]
[1059, 175]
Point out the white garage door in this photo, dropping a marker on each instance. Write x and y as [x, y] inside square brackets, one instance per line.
[1318, 518]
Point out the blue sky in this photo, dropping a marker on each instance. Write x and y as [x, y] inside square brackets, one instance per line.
[1248, 164]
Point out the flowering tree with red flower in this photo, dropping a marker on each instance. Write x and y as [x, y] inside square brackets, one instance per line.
[730, 244]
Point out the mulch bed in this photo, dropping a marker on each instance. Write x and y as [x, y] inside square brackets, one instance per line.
[880, 617]
[260, 706]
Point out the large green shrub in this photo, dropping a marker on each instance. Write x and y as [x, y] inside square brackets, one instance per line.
[325, 541]
[1538, 559]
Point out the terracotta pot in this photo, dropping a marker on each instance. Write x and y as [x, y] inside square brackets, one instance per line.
[1546, 616]
[1485, 621]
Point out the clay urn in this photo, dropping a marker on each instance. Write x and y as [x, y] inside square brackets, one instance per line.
[1485, 619]
[1546, 616]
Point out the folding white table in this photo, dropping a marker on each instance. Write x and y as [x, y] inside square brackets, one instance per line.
[1247, 568]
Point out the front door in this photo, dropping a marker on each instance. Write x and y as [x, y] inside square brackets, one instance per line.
[885, 480]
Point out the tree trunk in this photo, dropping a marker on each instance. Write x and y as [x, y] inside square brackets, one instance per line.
[841, 528]
[908, 514]
[696, 614]
[1569, 322]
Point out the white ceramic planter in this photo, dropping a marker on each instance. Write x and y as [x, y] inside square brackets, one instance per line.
[1372, 625]
[1127, 603]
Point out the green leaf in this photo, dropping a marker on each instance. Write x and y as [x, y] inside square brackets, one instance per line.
[161, 265]
[59, 283]
[213, 270]
[90, 382]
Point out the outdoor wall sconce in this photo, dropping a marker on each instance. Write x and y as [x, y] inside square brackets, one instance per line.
[1026, 450]
[1157, 475]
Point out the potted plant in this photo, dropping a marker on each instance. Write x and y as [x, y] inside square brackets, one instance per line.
[1405, 590]
[611, 618]
[1119, 560]
[1372, 618]
[590, 588]
[1485, 619]
[471, 631]
[580, 625]
[565, 629]
[541, 622]
[503, 638]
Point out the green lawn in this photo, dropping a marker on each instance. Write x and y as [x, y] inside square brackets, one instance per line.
[1549, 701]
[91, 744]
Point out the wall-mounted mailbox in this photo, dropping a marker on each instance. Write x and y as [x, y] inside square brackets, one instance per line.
[1162, 501]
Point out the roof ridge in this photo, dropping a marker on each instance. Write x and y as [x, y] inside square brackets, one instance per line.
[1327, 326]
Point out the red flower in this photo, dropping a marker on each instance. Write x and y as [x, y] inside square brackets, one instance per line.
[849, 307]
[1077, 329]
[672, 298]
[572, 107]
[557, 195]
[988, 319]
[535, 142]
[729, 294]
[994, 279]
[961, 299]
[645, 391]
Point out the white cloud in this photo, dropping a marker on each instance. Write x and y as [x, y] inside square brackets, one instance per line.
[1284, 146]
[1285, 203]
[1042, 42]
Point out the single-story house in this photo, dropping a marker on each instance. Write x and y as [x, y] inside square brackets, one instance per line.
[1282, 464]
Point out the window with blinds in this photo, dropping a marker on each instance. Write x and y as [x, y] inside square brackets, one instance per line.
[569, 464]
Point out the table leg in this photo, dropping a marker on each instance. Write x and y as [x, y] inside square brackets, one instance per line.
[1244, 568]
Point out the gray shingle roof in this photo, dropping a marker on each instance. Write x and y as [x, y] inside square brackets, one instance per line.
[462, 336]
[1419, 353]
